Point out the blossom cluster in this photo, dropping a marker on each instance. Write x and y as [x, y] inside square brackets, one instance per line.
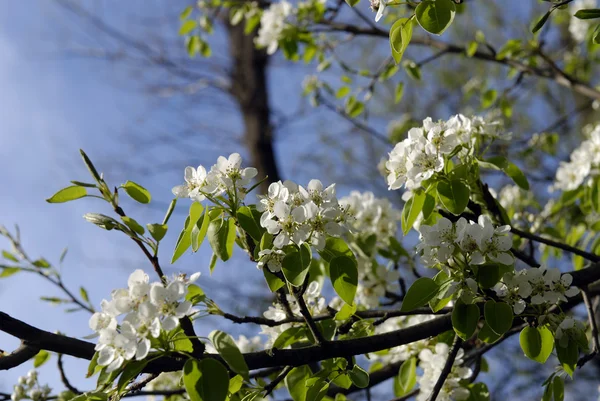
[226, 176]
[422, 154]
[585, 161]
[294, 214]
[432, 362]
[272, 24]
[477, 242]
[578, 28]
[29, 387]
[147, 308]
[371, 215]
[545, 286]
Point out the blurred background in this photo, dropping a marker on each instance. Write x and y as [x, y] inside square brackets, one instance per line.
[114, 78]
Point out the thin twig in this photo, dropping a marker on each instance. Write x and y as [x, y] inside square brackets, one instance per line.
[317, 335]
[271, 386]
[556, 244]
[447, 368]
[63, 376]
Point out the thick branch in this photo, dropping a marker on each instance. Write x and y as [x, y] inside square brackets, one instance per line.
[18, 356]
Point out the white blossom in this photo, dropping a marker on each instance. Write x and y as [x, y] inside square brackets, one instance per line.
[272, 25]
[578, 28]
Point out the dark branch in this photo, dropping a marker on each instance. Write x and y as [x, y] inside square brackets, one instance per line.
[447, 368]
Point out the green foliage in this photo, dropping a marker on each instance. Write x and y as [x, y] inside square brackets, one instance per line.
[296, 263]
[68, 194]
[137, 192]
[435, 16]
[464, 319]
[454, 195]
[206, 380]
[359, 377]
[41, 358]
[419, 294]
[498, 316]
[221, 236]
[230, 352]
[406, 379]
[537, 343]
[295, 382]
[344, 277]
[400, 36]
[412, 209]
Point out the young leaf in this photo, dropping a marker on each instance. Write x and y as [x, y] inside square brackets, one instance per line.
[407, 377]
[411, 210]
[498, 315]
[344, 277]
[541, 21]
[537, 343]
[400, 36]
[230, 352]
[68, 194]
[221, 236]
[249, 220]
[359, 377]
[588, 14]
[558, 388]
[435, 16]
[454, 195]
[295, 381]
[464, 319]
[199, 230]
[419, 293]
[184, 241]
[157, 231]
[206, 380]
[133, 224]
[137, 192]
[41, 358]
[131, 371]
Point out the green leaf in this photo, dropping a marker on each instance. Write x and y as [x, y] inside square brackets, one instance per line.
[472, 48]
[187, 27]
[133, 224]
[498, 315]
[186, 12]
[352, 3]
[359, 377]
[8, 271]
[295, 265]
[212, 263]
[537, 343]
[541, 22]
[157, 231]
[249, 220]
[407, 377]
[335, 247]
[317, 390]
[342, 92]
[435, 16]
[437, 303]
[568, 356]
[454, 195]
[295, 381]
[137, 192]
[131, 371]
[400, 36]
[206, 380]
[345, 312]
[41, 358]
[195, 294]
[489, 98]
[517, 176]
[411, 210]
[478, 392]
[488, 275]
[184, 241]
[235, 384]
[41, 263]
[596, 35]
[273, 281]
[412, 69]
[464, 319]
[419, 293]
[344, 277]
[92, 366]
[10, 256]
[558, 388]
[230, 352]
[68, 194]
[84, 294]
[399, 92]
[289, 337]
[221, 236]
[199, 230]
[590, 13]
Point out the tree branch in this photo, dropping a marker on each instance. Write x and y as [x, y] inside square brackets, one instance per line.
[17, 357]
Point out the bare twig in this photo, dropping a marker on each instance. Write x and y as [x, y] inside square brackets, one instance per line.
[593, 327]
[271, 386]
[63, 376]
[447, 368]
